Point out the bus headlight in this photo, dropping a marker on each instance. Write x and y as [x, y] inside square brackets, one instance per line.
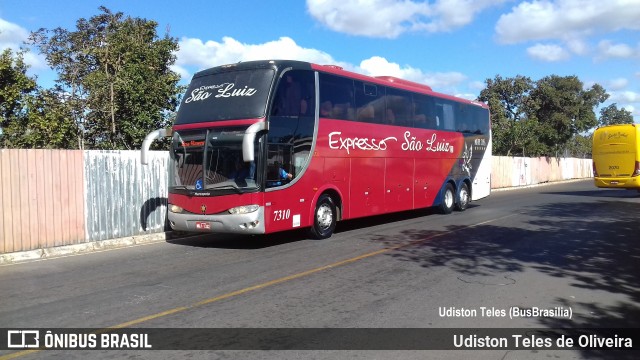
[175, 209]
[245, 209]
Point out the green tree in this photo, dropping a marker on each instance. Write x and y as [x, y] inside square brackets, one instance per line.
[513, 128]
[15, 88]
[50, 122]
[611, 115]
[115, 72]
[580, 146]
[564, 109]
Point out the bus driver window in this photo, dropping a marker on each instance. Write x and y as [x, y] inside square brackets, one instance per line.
[290, 135]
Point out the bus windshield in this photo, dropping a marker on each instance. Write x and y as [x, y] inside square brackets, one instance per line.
[211, 160]
[228, 95]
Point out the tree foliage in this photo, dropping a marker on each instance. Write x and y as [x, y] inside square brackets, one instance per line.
[50, 123]
[511, 107]
[15, 89]
[611, 115]
[580, 146]
[564, 109]
[540, 118]
[31, 117]
[116, 77]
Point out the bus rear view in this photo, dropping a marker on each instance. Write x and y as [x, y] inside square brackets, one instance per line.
[616, 156]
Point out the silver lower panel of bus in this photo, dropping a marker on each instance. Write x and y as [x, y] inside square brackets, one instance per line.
[251, 223]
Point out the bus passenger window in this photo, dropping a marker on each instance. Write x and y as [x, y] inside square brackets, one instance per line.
[370, 106]
[424, 112]
[326, 109]
[420, 121]
[399, 107]
[391, 117]
[337, 92]
[478, 115]
[366, 114]
[293, 97]
[446, 118]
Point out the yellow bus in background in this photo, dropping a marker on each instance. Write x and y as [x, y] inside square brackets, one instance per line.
[616, 156]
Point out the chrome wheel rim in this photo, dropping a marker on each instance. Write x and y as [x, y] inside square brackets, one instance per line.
[324, 216]
[464, 197]
[448, 198]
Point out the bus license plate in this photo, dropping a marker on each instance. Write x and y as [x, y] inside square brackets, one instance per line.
[614, 183]
[203, 225]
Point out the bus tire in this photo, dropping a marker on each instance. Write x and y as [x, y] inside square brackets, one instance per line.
[448, 199]
[463, 198]
[324, 218]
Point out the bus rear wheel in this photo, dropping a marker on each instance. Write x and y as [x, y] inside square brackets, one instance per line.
[324, 218]
[463, 198]
[448, 199]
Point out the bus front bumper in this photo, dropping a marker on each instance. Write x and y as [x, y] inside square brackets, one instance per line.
[251, 223]
[618, 183]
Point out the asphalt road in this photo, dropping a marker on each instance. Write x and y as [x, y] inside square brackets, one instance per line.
[564, 246]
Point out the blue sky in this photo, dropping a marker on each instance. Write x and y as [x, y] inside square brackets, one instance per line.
[451, 45]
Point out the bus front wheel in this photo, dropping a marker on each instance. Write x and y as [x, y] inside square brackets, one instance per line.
[324, 218]
[448, 199]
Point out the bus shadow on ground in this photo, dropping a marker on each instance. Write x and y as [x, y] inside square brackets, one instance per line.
[238, 242]
[254, 242]
[593, 244]
[370, 221]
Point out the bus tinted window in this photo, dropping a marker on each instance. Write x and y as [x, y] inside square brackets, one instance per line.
[336, 97]
[226, 96]
[464, 120]
[293, 96]
[445, 114]
[346, 99]
[424, 112]
[398, 105]
[291, 126]
[478, 116]
[370, 106]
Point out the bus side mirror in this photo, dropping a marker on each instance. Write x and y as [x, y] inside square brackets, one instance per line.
[151, 137]
[248, 141]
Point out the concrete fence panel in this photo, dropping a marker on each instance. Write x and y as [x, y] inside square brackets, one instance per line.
[502, 170]
[41, 199]
[123, 197]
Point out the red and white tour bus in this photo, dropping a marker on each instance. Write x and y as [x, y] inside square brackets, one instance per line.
[265, 146]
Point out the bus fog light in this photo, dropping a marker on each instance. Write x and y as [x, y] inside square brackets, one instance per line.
[251, 225]
[175, 209]
[243, 209]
